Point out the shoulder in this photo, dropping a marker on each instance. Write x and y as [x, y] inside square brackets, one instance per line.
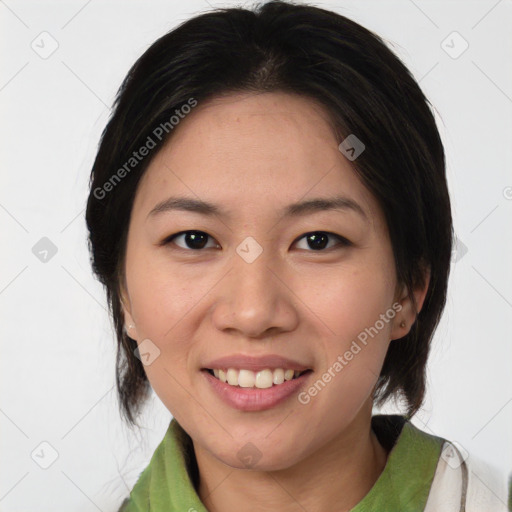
[455, 480]
[138, 500]
[464, 482]
[124, 505]
[149, 478]
[165, 483]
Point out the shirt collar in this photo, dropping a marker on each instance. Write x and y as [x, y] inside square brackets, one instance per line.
[166, 483]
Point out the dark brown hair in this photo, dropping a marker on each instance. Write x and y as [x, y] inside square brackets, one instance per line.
[367, 91]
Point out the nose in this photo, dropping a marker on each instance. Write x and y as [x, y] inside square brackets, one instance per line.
[255, 300]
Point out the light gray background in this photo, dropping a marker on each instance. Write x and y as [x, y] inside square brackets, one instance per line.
[57, 364]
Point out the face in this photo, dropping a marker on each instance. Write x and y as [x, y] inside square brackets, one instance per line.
[269, 286]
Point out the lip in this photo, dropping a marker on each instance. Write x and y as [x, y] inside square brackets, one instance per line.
[256, 364]
[255, 399]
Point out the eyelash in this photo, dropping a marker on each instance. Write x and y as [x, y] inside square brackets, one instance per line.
[343, 242]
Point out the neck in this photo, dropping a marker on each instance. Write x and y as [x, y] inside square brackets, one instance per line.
[342, 472]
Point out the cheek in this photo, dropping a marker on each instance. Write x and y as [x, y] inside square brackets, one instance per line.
[160, 296]
[162, 304]
[352, 300]
[356, 306]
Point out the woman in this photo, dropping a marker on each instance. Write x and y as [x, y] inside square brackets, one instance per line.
[270, 217]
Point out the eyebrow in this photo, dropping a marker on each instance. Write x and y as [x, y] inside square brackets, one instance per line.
[298, 209]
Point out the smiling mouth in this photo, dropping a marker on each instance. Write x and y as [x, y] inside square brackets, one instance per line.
[263, 379]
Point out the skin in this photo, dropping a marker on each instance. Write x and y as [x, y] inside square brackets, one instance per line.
[254, 154]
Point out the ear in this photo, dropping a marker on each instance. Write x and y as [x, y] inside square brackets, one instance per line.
[407, 314]
[129, 324]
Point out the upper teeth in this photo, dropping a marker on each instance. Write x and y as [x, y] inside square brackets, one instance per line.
[250, 379]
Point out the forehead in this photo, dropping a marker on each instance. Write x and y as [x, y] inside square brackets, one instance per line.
[253, 152]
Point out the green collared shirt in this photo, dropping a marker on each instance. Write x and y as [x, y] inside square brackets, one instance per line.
[166, 484]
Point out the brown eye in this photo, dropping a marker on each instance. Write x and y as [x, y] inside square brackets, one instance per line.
[319, 240]
[195, 240]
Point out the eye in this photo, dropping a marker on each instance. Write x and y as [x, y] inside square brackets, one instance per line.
[195, 240]
[319, 240]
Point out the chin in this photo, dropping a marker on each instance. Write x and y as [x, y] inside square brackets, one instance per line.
[250, 457]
